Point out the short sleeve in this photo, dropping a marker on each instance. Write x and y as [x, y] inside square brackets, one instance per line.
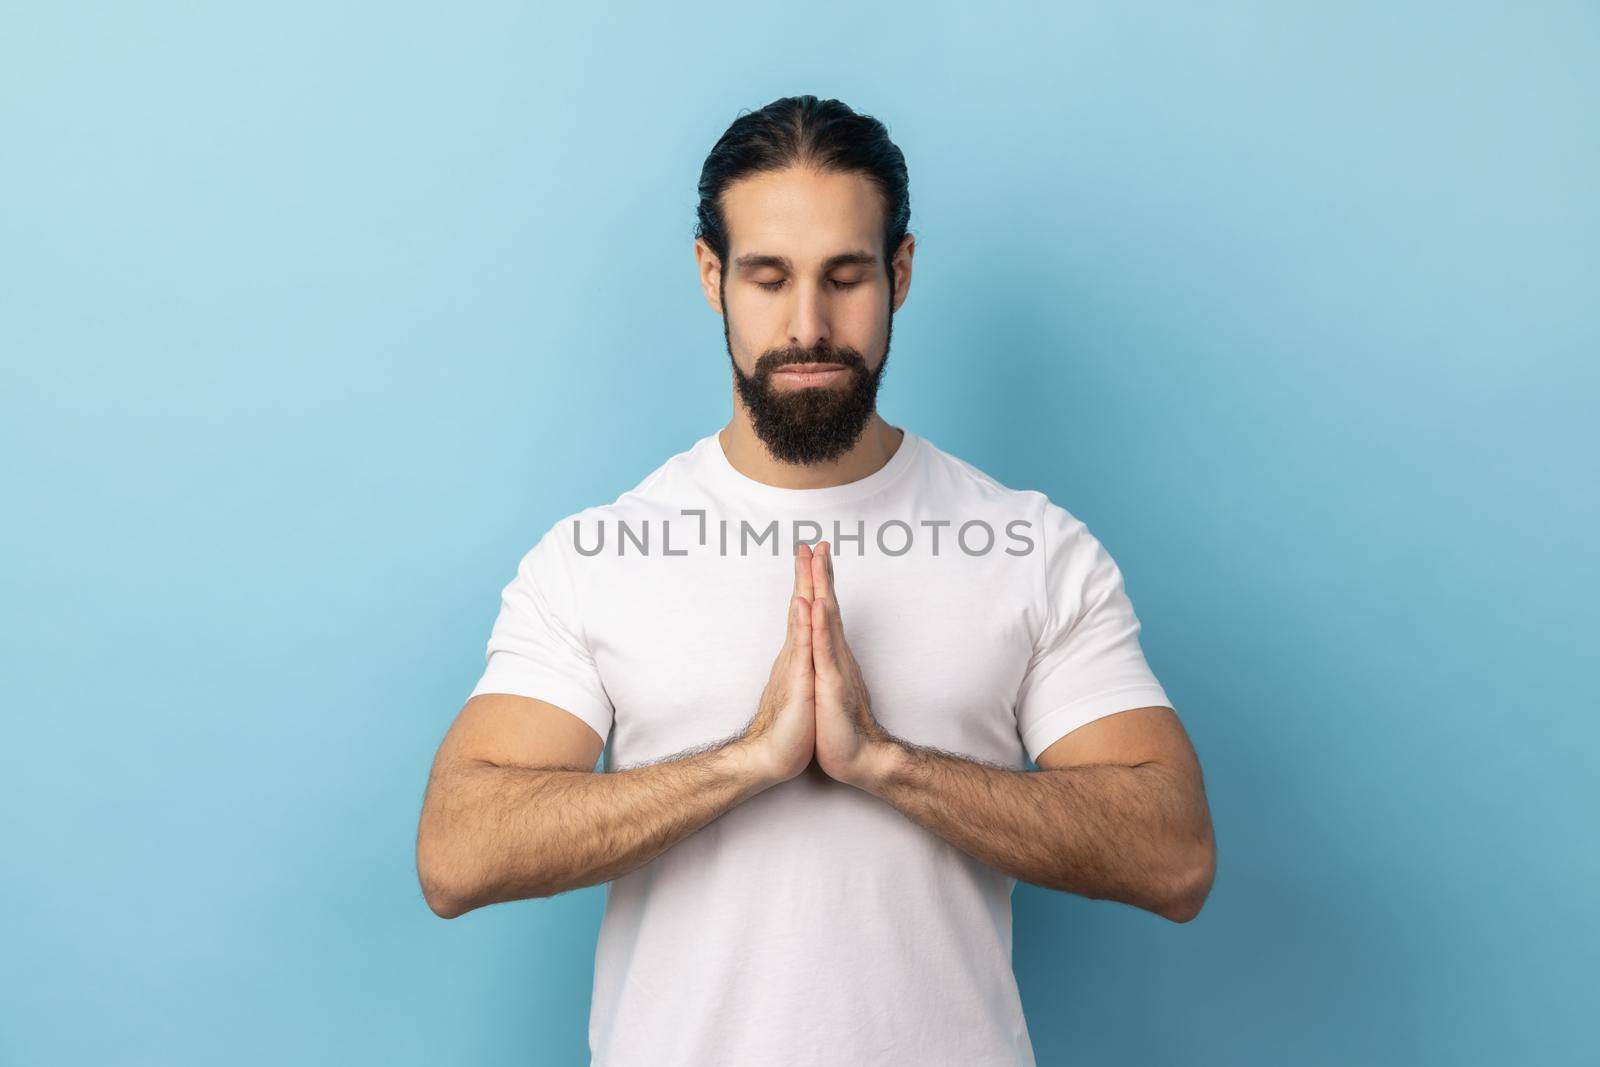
[537, 646]
[1087, 661]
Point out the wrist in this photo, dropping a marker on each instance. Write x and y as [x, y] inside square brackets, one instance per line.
[885, 766]
[751, 763]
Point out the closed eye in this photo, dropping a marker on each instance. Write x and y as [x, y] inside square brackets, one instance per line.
[773, 287]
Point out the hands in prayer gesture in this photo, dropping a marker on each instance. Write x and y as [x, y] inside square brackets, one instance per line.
[816, 704]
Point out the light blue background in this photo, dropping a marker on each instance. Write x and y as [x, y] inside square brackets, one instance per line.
[314, 316]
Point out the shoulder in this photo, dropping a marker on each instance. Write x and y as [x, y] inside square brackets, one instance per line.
[572, 549]
[966, 484]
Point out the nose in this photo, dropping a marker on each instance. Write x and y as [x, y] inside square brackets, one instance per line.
[808, 323]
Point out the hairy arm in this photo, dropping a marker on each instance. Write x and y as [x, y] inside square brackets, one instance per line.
[1139, 833]
[514, 808]
[495, 829]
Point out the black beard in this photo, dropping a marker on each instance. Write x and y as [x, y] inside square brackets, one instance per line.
[809, 424]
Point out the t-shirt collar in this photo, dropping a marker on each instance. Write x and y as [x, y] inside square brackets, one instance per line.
[720, 470]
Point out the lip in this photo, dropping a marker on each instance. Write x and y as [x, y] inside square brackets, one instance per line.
[807, 374]
[809, 368]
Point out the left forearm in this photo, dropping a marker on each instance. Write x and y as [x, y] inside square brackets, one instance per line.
[1105, 831]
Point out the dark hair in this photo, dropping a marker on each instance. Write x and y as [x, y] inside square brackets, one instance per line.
[805, 131]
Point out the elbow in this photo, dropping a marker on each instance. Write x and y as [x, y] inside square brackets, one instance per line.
[1192, 884]
[443, 899]
[444, 904]
[1182, 909]
[447, 894]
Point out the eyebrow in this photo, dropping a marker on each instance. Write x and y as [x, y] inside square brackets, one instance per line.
[753, 260]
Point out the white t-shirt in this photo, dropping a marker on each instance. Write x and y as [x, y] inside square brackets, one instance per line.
[814, 924]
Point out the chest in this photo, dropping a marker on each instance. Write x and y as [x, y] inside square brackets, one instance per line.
[685, 646]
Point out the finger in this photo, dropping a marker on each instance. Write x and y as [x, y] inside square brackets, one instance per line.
[791, 635]
[803, 585]
[798, 651]
[823, 652]
[833, 595]
[836, 619]
[820, 579]
[802, 590]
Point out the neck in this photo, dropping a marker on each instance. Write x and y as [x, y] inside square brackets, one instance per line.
[749, 456]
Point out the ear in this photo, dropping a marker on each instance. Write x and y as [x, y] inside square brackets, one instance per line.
[902, 270]
[709, 268]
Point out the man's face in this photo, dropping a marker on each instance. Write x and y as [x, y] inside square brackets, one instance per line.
[805, 284]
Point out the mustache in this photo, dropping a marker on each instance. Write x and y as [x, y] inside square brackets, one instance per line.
[777, 359]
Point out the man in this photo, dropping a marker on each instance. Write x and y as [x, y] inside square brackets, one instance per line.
[811, 856]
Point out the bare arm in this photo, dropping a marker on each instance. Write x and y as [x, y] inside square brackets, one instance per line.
[1116, 811]
[494, 830]
[514, 808]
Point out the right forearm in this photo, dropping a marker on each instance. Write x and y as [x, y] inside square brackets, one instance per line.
[494, 833]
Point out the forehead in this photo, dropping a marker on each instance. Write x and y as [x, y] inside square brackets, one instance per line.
[802, 214]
